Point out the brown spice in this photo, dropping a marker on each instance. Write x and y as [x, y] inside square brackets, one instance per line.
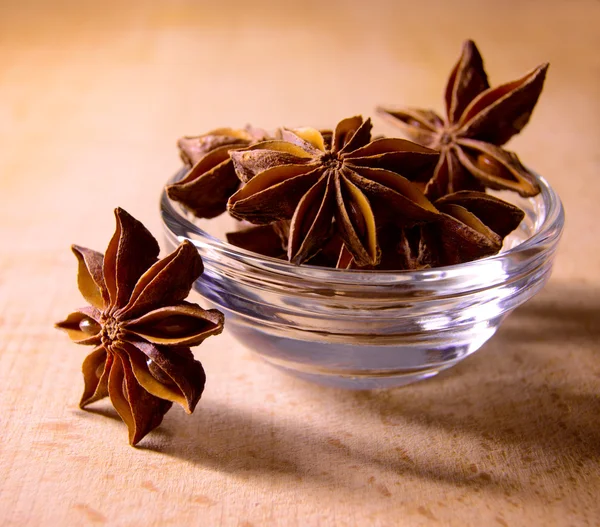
[340, 189]
[479, 120]
[140, 326]
[211, 179]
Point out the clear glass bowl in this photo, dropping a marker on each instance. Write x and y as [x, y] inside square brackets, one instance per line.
[369, 329]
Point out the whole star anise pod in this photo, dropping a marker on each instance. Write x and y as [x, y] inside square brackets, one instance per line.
[140, 326]
[471, 225]
[479, 120]
[211, 178]
[332, 189]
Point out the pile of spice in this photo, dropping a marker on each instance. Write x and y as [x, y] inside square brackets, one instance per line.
[338, 198]
[345, 199]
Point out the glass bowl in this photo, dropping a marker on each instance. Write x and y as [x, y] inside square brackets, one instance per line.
[369, 329]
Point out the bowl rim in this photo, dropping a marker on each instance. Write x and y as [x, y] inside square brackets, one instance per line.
[182, 228]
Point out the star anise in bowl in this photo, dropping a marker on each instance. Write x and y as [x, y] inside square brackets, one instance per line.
[353, 203]
[210, 178]
[370, 262]
[326, 190]
[479, 120]
[471, 225]
[140, 326]
[421, 309]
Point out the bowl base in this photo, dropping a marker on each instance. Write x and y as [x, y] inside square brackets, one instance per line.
[366, 381]
[363, 366]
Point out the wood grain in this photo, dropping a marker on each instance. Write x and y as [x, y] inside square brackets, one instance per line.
[92, 98]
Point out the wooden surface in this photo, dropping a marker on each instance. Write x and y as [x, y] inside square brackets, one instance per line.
[92, 98]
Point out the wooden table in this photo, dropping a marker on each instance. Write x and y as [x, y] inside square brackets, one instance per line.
[92, 98]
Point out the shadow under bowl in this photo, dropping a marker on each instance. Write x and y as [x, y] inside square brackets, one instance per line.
[368, 329]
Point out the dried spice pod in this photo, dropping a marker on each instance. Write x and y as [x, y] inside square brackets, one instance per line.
[266, 240]
[140, 326]
[411, 251]
[472, 225]
[402, 249]
[333, 190]
[211, 178]
[479, 120]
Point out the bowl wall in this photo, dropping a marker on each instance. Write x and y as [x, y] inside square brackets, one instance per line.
[369, 329]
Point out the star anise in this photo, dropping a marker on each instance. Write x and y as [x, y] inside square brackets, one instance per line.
[333, 189]
[140, 326]
[211, 178]
[479, 120]
[266, 240]
[471, 225]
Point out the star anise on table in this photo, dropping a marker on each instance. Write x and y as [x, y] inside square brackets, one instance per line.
[479, 121]
[343, 186]
[140, 325]
[211, 178]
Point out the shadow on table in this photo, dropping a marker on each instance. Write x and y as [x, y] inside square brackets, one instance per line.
[532, 394]
[569, 313]
[249, 445]
[517, 400]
